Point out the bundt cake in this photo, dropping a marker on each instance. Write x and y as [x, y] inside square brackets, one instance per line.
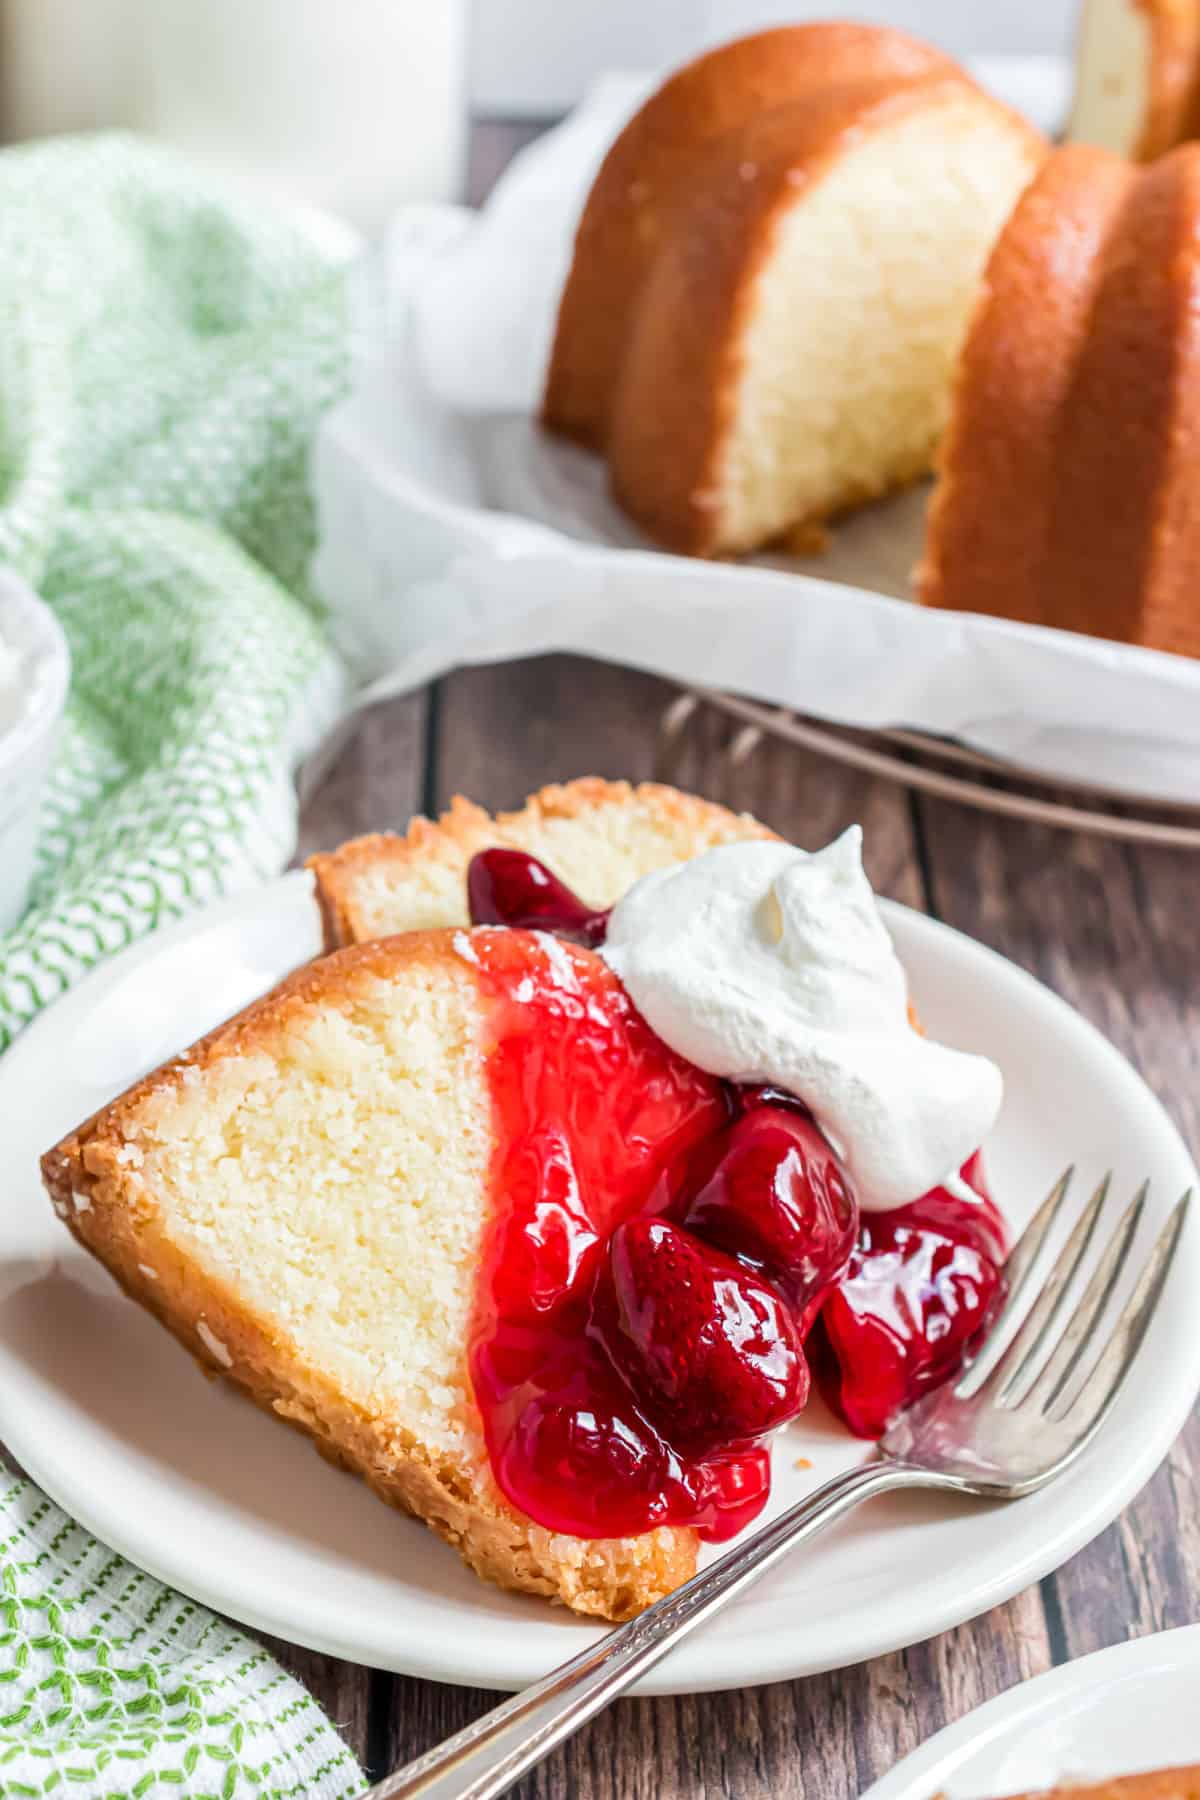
[772, 276]
[1137, 77]
[1067, 494]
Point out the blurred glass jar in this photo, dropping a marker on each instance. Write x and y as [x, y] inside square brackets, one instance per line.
[349, 105]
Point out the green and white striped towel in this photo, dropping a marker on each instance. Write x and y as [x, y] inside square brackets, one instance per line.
[111, 1685]
[165, 352]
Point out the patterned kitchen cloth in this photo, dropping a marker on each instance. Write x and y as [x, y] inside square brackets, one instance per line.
[166, 348]
[111, 1685]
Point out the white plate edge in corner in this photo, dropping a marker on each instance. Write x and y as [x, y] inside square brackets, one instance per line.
[999, 1748]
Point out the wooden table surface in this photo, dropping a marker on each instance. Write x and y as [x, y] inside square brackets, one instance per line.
[1116, 931]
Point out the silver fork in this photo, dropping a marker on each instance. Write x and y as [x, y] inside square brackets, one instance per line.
[1024, 1407]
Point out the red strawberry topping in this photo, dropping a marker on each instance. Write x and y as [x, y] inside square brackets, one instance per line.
[711, 1351]
[922, 1283]
[769, 1190]
[661, 1245]
[510, 887]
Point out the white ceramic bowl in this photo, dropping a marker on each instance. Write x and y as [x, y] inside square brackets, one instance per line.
[31, 710]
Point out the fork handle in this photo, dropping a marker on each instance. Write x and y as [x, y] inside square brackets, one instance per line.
[483, 1760]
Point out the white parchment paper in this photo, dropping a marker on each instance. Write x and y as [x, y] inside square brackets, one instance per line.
[453, 531]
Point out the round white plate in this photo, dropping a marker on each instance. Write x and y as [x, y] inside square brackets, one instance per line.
[1119, 1712]
[109, 1414]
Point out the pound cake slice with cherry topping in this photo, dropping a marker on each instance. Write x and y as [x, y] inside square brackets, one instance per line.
[528, 1216]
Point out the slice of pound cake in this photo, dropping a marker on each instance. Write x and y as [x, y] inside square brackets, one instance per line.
[598, 837]
[305, 1197]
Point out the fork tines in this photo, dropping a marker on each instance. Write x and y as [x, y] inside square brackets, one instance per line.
[1040, 1366]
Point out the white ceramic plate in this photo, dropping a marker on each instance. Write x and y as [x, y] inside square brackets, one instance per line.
[1118, 1712]
[109, 1414]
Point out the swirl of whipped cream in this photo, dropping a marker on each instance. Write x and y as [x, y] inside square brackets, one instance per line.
[762, 963]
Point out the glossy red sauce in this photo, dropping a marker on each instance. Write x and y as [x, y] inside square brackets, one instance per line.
[591, 1108]
[510, 887]
[661, 1244]
[922, 1282]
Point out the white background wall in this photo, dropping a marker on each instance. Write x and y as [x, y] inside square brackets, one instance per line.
[536, 56]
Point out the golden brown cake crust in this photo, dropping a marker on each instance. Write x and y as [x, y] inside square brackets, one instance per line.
[653, 163]
[466, 828]
[1068, 495]
[110, 1208]
[991, 514]
[1173, 102]
[1182, 1783]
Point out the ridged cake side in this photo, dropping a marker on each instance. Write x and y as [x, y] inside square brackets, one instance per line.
[1068, 495]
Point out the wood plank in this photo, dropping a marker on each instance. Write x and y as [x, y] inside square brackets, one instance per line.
[1116, 931]
[375, 782]
[502, 733]
[826, 1738]
[343, 1689]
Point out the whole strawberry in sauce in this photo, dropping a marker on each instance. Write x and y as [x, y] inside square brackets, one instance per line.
[770, 1191]
[583, 1458]
[710, 1351]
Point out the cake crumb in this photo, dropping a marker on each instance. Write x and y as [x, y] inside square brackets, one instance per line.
[802, 1462]
[213, 1344]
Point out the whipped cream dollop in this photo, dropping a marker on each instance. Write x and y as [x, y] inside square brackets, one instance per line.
[762, 963]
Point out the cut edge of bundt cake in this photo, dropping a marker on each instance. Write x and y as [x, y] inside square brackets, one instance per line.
[652, 164]
[793, 352]
[598, 836]
[1137, 76]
